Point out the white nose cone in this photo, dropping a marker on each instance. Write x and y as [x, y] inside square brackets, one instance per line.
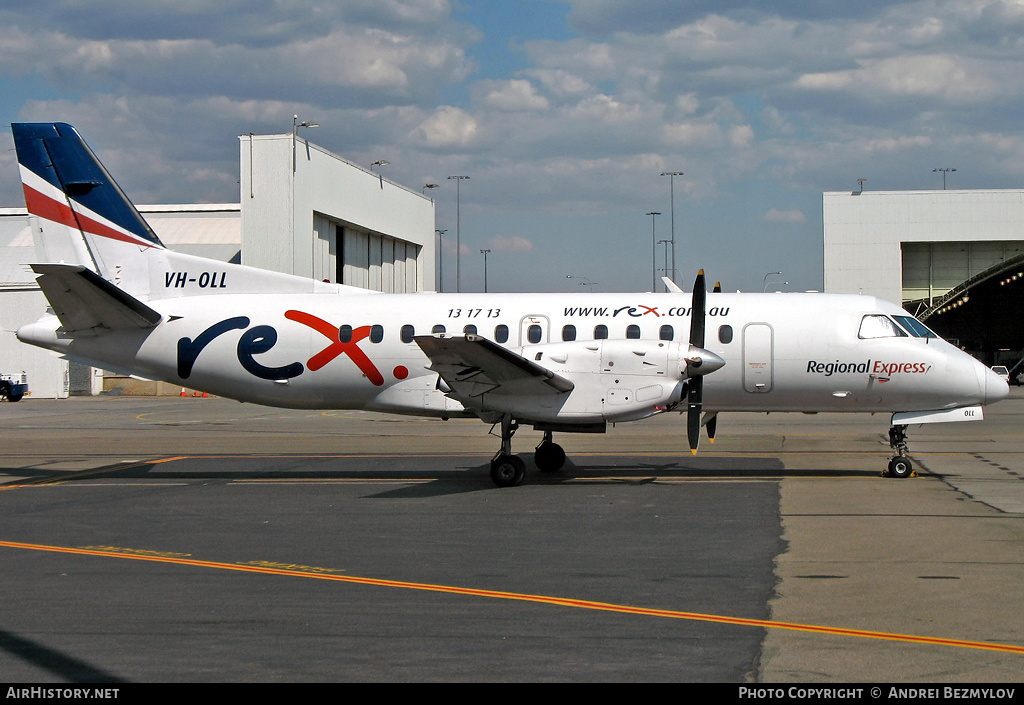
[701, 362]
[995, 387]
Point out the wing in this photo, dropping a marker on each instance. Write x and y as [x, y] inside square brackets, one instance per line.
[87, 304]
[472, 366]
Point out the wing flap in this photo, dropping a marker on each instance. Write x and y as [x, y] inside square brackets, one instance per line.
[472, 366]
[87, 304]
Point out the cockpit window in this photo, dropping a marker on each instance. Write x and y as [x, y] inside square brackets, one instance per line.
[876, 326]
[915, 327]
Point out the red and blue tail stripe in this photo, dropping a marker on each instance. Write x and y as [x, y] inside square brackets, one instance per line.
[65, 183]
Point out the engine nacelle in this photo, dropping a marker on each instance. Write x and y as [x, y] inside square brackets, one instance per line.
[625, 379]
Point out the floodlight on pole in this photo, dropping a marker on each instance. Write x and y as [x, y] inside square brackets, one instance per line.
[295, 131]
[586, 281]
[944, 170]
[380, 162]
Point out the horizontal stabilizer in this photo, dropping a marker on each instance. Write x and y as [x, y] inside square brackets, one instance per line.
[472, 366]
[87, 304]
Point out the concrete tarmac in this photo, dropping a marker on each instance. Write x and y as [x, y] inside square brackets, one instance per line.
[200, 539]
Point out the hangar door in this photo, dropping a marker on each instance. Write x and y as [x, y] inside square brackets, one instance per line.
[347, 255]
[932, 269]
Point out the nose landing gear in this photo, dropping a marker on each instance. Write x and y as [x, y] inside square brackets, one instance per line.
[899, 465]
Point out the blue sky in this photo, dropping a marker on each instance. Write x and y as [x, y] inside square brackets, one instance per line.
[564, 113]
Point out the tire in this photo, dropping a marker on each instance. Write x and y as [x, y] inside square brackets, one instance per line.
[507, 471]
[900, 467]
[549, 457]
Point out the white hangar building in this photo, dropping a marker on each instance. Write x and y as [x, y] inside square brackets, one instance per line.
[953, 258]
[302, 210]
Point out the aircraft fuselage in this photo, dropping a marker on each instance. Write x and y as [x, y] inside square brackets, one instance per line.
[783, 352]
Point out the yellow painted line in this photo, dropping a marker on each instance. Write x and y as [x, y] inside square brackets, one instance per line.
[315, 573]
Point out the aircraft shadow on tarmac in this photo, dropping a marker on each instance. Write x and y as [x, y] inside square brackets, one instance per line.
[57, 663]
[430, 475]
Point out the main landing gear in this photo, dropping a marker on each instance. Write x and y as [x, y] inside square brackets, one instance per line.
[508, 470]
[899, 465]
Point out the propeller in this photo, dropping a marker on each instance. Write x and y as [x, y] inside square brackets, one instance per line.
[695, 385]
[699, 362]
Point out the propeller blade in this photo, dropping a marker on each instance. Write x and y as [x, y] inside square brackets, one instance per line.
[700, 295]
[696, 389]
[695, 386]
[712, 424]
[718, 288]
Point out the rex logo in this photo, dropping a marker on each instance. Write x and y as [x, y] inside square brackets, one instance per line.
[261, 339]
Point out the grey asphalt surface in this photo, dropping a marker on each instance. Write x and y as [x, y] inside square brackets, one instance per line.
[203, 540]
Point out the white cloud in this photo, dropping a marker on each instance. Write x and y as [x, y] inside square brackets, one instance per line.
[514, 96]
[510, 243]
[790, 216]
[447, 127]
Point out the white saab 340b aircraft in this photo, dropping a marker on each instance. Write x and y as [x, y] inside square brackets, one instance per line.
[122, 301]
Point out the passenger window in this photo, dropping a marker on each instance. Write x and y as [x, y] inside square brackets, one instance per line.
[501, 333]
[437, 329]
[666, 333]
[633, 332]
[469, 330]
[601, 332]
[534, 333]
[877, 326]
[345, 334]
[376, 334]
[568, 333]
[725, 335]
[407, 333]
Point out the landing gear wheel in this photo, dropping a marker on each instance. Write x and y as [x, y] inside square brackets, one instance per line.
[507, 471]
[549, 457]
[900, 467]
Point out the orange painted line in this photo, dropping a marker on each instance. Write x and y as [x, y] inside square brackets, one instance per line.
[542, 599]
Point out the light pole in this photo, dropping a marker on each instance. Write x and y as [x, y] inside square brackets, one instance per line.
[765, 282]
[295, 131]
[672, 190]
[458, 232]
[485, 253]
[944, 170]
[666, 243]
[440, 256]
[586, 281]
[380, 162]
[654, 253]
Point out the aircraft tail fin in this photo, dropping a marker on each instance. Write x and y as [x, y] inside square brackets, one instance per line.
[80, 216]
[83, 216]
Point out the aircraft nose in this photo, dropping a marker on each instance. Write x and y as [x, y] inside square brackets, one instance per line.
[996, 388]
